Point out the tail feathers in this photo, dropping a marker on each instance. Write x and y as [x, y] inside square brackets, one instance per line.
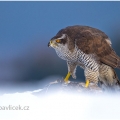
[112, 60]
[109, 80]
[110, 88]
[115, 77]
[117, 85]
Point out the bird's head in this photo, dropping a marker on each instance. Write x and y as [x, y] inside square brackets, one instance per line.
[64, 40]
[58, 41]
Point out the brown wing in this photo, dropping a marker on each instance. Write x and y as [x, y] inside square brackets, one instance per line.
[96, 42]
[91, 40]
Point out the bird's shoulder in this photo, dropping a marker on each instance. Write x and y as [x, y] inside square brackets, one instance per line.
[91, 40]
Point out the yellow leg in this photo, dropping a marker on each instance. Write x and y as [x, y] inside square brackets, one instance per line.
[87, 83]
[67, 77]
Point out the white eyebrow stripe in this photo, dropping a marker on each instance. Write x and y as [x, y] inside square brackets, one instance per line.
[62, 37]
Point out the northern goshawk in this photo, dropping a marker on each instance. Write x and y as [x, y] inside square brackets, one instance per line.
[90, 49]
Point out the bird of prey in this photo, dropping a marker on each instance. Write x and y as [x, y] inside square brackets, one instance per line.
[88, 48]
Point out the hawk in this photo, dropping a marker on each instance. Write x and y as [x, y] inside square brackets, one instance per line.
[88, 48]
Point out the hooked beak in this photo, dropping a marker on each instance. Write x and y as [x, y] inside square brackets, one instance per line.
[52, 44]
[49, 43]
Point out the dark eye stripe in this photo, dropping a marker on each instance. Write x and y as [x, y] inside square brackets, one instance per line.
[63, 41]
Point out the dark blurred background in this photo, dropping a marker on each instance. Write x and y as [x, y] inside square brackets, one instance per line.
[27, 27]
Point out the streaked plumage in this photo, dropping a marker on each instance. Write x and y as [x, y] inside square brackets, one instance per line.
[86, 47]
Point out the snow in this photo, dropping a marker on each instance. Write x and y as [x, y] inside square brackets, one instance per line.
[59, 106]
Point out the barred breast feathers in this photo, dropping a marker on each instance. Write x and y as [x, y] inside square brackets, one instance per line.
[64, 53]
[89, 61]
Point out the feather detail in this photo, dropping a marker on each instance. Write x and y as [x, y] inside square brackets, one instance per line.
[112, 60]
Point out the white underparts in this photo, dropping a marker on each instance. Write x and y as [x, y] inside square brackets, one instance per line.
[87, 61]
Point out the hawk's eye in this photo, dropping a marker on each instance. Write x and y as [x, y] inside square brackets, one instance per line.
[58, 40]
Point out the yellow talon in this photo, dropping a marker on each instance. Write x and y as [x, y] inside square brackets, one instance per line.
[87, 83]
[67, 77]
